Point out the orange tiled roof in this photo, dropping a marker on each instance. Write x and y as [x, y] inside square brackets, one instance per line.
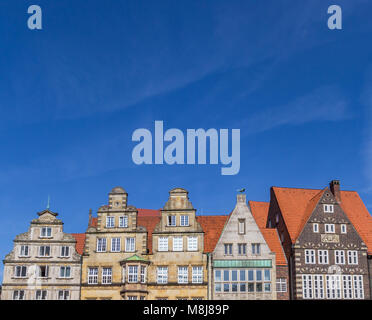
[212, 227]
[149, 222]
[260, 211]
[296, 206]
[80, 242]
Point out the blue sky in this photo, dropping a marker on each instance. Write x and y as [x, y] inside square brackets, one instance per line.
[72, 94]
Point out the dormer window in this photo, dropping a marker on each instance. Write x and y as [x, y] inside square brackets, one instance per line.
[241, 228]
[46, 232]
[171, 220]
[184, 220]
[328, 208]
[110, 222]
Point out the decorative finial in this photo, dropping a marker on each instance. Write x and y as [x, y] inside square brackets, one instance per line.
[48, 204]
[241, 190]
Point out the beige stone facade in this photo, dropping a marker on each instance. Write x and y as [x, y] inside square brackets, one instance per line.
[43, 263]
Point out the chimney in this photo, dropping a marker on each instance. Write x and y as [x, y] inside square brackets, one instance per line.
[335, 189]
[241, 198]
[90, 218]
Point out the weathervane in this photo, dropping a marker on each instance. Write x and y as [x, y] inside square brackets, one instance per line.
[241, 190]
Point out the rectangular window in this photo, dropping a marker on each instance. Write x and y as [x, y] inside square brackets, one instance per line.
[110, 222]
[333, 286]
[162, 275]
[217, 275]
[328, 208]
[132, 298]
[347, 284]
[192, 243]
[43, 271]
[24, 251]
[315, 228]
[123, 222]
[163, 244]
[63, 295]
[329, 228]
[281, 285]
[44, 251]
[343, 228]
[307, 287]
[267, 275]
[309, 256]
[241, 226]
[352, 257]
[101, 244]
[92, 275]
[318, 287]
[228, 248]
[115, 245]
[18, 295]
[143, 274]
[130, 245]
[242, 249]
[197, 274]
[65, 272]
[41, 294]
[177, 244]
[184, 220]
[171, 220]
[358, 287]
[20, 271]
[322, 257]
[339, 257]
[106, 275]
[132, 274]
[46, 232]
[183, 275]
[65, 251]
[256, 248]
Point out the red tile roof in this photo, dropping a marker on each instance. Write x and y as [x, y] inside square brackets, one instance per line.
[296, 206]
[80, 242]
[212, 227]
[260, 211]
[149, 222]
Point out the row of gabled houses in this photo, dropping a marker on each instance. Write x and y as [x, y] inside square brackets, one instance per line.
[303, 244]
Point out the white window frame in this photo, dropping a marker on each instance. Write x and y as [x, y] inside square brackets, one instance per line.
[106, 275]
[318, 286]
[352, 257]
[64, 294]
[281, 285]
[256, 248]
[65, 272]
[323, 257]
[163, 244]
[46, 271]
[184, 220]
[316, 228]
[110, 222]
[19, 295]
[130, 244]
[343, 229]
[45, 232]
[241, 226]
[197, 274]
[310, 256]
[329, 228]
[328, 208]
[24, 250]
[192, 243]
[358, 287]
[171, 220]
[41, 294]
[143, 270]
[123, 221]
[183, 274]
[347, 285]
[43, 251]
[115, 244]
[333, 286]
[132, 273]
[21, 269]
[65, 254]
[101, 244]
[177, 243]
[340, 257]
[307, 286]
[92, 275]
[162, 275]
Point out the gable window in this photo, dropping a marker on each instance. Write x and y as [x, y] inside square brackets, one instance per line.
[192, 243]
[41, 294]
[339, 257]
[132, 274]
[315, 228]
[242, 249]
[163, 244]
[328, 208]
[20, 272]
[183, 275]
[322, 257]
[92, 275]
[309, 256]
[110, 222]
[329, 228]
[228, 248]
[46, 232]
[65, 272]
[130, 245]
[18, 295]
[281, 285]
[44, 251]
[43, 271]
[184, 220]
[197, 274]
[115, 245]
[63, 295]
[241, 228]
[101, 244]
[256, 248]
[65, 251]
[171, 220]
[106, 275]
[162, 275]
[123, 222]
[343, 228]
[352, 257]
[177, 244]
[24, 251]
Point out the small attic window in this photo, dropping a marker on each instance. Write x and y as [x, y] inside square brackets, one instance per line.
[328, 208]
[241, 228]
